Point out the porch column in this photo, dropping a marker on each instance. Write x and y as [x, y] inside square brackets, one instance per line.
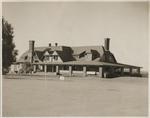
[122, 71]
[70, 70]
[130, 70]
[84, 70]
[45, 68]
[52, 68]
[34, 68]
[101, 73]
[57, 70]
[138, 71]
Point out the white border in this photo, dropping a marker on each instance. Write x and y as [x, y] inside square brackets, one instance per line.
[75, 0]
[72, 1]
[1, 60]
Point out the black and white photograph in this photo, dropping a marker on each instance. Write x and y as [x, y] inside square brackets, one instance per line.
[75, 58]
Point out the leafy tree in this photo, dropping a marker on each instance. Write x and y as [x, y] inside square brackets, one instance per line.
[8, 47]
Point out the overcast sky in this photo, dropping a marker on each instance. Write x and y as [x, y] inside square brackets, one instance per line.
[81, 24]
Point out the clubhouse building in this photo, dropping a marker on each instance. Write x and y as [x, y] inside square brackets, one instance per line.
[85, 60]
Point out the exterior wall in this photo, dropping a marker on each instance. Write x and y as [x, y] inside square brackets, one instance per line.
[58, 60]
[76, 57]
[12, 68]
[52, 57]
[15, 68]
[88, 57]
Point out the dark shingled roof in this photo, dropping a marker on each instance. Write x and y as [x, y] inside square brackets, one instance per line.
[23, 56]
[92, 63]
[105, 58]
[89, 63]
[81, 49]
[52, 48]
[67, 53]
[63, 52]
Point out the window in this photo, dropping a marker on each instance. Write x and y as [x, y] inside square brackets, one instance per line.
[55, 57]
[36, 61]
[46, 58]
[26, 57]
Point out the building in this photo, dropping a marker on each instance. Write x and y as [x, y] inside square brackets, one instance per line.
[85, 59]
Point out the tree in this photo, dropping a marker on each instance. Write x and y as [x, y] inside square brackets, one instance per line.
[8, 47]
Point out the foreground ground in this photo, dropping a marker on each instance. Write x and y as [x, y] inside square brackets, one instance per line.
[91, 96]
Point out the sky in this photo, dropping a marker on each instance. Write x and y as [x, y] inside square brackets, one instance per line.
[83, 24]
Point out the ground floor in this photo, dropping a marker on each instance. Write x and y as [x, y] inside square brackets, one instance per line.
[102, 71]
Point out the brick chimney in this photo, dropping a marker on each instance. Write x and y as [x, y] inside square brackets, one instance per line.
[31, 49]
[106, 44]
[56, 44]
[50, 44]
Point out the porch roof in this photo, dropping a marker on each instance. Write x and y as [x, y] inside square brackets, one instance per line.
[88, 63]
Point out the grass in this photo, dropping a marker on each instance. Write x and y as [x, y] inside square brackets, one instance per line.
[89, 96]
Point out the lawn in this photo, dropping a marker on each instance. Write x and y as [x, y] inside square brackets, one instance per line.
[89, 96]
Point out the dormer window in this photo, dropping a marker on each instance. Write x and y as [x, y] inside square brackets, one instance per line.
[46, 58]
[26, 57]
[36, 61]
[55, 57]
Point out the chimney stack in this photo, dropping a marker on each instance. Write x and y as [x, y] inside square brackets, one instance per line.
[106, 44]
[56, 44]
[31, 50]
[50, 45]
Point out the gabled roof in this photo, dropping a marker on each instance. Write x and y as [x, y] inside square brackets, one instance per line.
[66, 53]
[23, 56]
[26, 57]
[38, 56]
[60, 54]
[89, 51]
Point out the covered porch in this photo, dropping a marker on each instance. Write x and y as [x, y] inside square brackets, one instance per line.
[85, 68]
